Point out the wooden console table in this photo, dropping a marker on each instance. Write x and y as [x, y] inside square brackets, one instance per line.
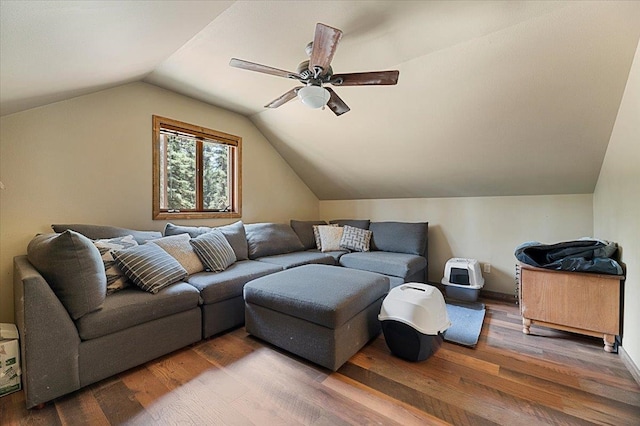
[579, 302]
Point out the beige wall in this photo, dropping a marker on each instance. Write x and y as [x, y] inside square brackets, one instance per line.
[616, 203]
[483, 228]
[88, 160]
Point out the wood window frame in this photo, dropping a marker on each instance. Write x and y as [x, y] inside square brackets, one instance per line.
[199, 132]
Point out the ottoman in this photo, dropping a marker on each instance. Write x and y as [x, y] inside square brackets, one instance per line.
[322, 313]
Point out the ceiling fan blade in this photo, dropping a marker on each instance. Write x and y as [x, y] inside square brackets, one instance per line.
[336, 104]
[291, 94]
[251, 66]
[373, 78]
[325, 43]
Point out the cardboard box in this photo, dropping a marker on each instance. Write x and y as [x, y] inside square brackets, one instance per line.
[10, 373]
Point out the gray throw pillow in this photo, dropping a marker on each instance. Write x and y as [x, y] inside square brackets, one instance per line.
[400, 237]
[149, 267]
[214, 251]
[72, 266]
[237, 237]
[99, 232]
[304, 231]
[356, 223]
[267, 239]
[234, 233]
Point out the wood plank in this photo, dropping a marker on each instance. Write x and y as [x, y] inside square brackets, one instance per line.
[391, 408]
[13, 412]
[80, 407]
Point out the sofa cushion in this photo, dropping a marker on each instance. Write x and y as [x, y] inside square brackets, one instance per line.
[149, 267]
[98, 232]
[397, 264]
[234, 233]
[215, 287]
[304, 231]
[356, 223]
[116, 279]
[330, 237]
[355, 239]
[133, 306]
[180, 249]
[334, 254]
[214, 251]
[400, 237]
[267, 239]
[72, 266]
[299, 258]
[321, 294]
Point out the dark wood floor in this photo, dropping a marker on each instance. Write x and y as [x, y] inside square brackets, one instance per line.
[509, 378]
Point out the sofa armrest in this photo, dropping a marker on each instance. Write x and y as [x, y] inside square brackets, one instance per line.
[49, 339]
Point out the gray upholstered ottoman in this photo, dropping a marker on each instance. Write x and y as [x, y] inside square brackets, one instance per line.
[322, 313]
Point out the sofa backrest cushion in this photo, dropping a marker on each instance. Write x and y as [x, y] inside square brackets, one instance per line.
[72, 266]
[234, 233]
[267, 239]
[99, 232]
[356, 223]
[193, 231]
[400, 237]
[304, 231]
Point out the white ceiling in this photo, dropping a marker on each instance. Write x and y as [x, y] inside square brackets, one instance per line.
[494, 97]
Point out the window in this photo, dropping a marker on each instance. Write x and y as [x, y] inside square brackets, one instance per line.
[196, 172]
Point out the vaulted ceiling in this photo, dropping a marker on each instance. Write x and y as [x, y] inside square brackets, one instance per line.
[494, 98]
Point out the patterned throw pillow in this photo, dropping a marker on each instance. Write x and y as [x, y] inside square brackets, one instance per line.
[116, 279]
[179, 248]
[149, 267]
[214, 251]
[316, 234]
[355, 239]
[330, 237]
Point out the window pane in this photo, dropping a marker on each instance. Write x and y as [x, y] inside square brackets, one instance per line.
[197, 172]
[177, 173]
[215, 180]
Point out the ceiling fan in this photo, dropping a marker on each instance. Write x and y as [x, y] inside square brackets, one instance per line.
[317, 72]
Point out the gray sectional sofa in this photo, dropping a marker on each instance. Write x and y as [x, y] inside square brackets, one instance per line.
[73, 334]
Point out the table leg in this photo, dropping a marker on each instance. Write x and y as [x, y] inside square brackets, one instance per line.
[609, 340]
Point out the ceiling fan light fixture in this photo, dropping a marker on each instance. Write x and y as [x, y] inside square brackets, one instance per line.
[314, 96]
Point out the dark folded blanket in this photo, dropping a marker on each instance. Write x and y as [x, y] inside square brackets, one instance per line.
[584, 255]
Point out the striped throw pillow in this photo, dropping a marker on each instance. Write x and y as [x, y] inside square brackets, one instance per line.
[149, 267]
[214, 251]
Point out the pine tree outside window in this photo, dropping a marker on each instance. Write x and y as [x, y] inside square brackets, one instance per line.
[196, 172]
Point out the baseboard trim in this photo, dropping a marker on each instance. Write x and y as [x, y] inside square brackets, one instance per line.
[504, 297]
[628, 362]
